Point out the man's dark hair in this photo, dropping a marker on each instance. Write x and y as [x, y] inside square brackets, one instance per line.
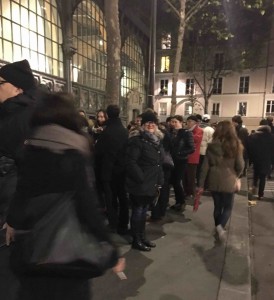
[178, 118]
[57, 108]
[113, 111]
[264, 122]
[237, 119]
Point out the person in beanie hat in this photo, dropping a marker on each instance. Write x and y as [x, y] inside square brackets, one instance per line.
[19, 74]
[193, 158]
[144, 175]
[149, 116]
[15, 111]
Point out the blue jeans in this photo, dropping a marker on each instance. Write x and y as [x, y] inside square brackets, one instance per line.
[223, 203]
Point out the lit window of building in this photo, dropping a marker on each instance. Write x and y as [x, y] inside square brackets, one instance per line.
[133, 68]
[270, 108]
[166, 41]
[189, 86]
[242, 108]
[164, 86]
[163, 109]
[89, 38]
[165, 64]
[32, 30]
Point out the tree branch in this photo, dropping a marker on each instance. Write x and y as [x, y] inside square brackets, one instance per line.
[194, 9]
[175, 10]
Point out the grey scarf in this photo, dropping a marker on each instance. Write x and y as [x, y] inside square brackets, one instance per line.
[58, 139]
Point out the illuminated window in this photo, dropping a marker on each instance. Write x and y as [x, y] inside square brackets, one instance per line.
[31, 30]
[89, 37]
[166, 41]
[165, 63]
[190, 86]
[270, 108]
[242, 108]
[163, 109]
[164, 86]
[133, 68]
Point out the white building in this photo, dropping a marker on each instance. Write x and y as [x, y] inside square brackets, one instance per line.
[249, 93]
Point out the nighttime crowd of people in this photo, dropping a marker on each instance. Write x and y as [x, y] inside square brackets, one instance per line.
[117, 173]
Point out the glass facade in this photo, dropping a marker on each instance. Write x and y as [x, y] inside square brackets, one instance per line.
[31, 30]
[133, 68]
[89, 38]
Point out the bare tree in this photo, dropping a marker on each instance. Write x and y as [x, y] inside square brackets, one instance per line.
[183, 17]
[113, 51]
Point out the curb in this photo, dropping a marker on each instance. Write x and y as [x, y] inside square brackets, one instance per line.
[235, 282]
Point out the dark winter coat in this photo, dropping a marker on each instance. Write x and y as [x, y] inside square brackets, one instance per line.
[110, 150]
[144, 171]
[220, 172]
[182, 145]
[14, 128]
[45, 173]
[261, 149]
[242, 134]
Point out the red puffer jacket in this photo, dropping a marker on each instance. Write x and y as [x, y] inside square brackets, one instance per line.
[197, 136]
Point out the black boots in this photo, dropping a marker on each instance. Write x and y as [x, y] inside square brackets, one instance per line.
[139, 245]
[138, 233]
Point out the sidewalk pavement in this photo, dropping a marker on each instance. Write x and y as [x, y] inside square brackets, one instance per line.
[262, 242]
[187, 264]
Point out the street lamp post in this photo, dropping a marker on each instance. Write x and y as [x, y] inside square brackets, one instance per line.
[152, 53]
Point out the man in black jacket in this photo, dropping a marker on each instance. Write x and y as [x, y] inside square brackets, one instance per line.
[111, 150]
[15, 110]
[242, 134]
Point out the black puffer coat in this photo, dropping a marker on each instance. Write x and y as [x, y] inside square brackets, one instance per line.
[14, 124]
[144, 171]
[14, 128]
[260, 148]
[182, 145]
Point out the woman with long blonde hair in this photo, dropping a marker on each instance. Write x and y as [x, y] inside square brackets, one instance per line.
[223, 165]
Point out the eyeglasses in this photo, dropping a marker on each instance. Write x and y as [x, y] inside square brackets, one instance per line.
[3, 81]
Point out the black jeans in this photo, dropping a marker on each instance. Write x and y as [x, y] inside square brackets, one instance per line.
[177, 180]
[159, 210]
[116, 201]
[261, 177]
[223, 203]
[140, 206]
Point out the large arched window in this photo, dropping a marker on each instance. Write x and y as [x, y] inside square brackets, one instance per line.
[32, 30]
[89, 38]
[132, 62]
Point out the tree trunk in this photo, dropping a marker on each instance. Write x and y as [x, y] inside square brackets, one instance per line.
[178, 57]
[113, 52]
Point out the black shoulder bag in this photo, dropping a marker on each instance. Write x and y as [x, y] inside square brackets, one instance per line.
[59, 245]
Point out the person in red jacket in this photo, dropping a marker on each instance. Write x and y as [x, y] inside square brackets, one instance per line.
[193, 159]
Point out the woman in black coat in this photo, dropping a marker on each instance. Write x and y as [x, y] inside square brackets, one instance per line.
[55, 162]
[182, 144]
[144, 175]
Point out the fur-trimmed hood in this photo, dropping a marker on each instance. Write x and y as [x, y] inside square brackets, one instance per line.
[140, 131]
[263, 129]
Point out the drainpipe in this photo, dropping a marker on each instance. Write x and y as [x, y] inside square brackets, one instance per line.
[266, 77]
